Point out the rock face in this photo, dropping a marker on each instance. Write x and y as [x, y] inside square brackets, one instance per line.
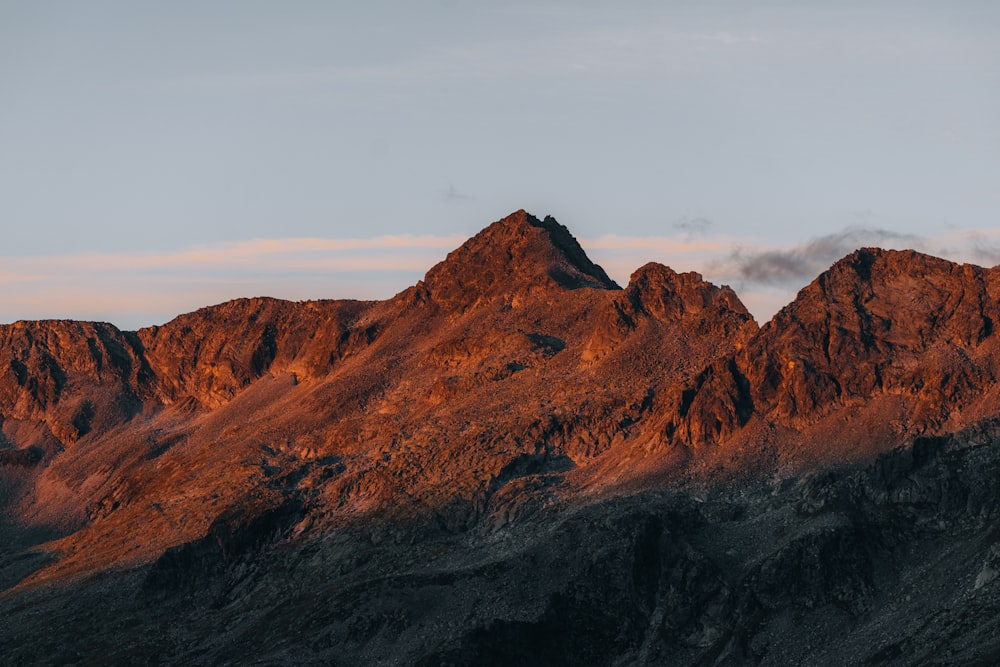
[63, 380]
[211, 355]
[511, 260]
[881, 322]
[513, 461]
[883, 347]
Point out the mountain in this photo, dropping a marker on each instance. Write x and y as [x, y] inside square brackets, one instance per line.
[883, 347]
[513, 461]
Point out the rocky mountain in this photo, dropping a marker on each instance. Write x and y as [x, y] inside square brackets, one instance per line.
[515, 461]
[883, 347]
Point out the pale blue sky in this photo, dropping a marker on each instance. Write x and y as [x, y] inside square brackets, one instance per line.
[135, 136]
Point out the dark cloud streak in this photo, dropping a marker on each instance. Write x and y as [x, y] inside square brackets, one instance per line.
[806, 261]
[693, 226]
[985, 251]
[453, 196]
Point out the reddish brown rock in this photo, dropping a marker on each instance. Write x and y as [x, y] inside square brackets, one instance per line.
[62, 380]
[214, 353]
[513, 259]
[882, 347]
[513, 462]
[514, 376]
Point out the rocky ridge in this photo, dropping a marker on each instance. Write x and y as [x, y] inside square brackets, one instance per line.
[515, 386]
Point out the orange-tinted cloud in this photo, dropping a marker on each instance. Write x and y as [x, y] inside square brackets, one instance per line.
[134, 289]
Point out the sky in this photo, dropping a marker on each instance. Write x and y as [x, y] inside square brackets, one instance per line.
[156, 157]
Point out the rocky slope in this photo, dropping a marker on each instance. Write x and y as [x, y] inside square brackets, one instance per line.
[883, 347]
[514, 460]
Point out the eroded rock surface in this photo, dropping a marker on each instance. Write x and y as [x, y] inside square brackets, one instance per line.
[514, 461]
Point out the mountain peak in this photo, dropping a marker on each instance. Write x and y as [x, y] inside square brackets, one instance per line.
[884, 328]
[875, 263]
[513, 255]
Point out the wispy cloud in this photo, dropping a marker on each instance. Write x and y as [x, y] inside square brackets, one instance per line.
[690, 227]
[258, 255]
[594, 49]
[804, 262]
[134, 289]
[659, 244]
[768, 275]
[653, 42]
[985, 247]
[453, 196]
[137, 289]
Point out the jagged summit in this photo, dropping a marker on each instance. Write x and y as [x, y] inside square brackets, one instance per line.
[655, 287]
[884, 346]
[873, 264]
[516, 254]
[896, 295]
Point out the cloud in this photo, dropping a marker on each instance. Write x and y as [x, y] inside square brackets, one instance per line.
[985, 247]
[590, 47]
[693, 226]
[454, 196]
[770, 266]
[663, 244]
[137, 289]
[767, 276]
[258, 255]
[804, 262]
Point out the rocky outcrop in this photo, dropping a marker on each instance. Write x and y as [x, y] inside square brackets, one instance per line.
[879, 322]
[883, 347]
[513, 259]
[679, 313]
[214, 353]
[62, 380]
